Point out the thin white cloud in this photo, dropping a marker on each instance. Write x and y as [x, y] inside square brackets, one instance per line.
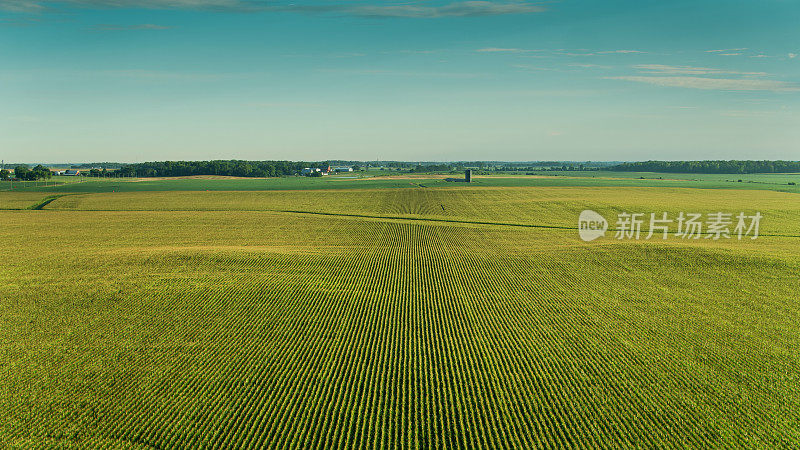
[619, 51]
[561, 51]
[35, 6]
[19, 22]
[722, 84]
[458, 9]
[401, 73]
[532, 67]
[590, 66]
[20, 6]
[417, 52]
[143, 26]
[502, 50]
[472, 8]
[727, 50]
[689, 70]
[598, 53]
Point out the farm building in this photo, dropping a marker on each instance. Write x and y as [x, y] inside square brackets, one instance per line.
[71, 173]
[467, 178]
[310, 170]
[342, 169]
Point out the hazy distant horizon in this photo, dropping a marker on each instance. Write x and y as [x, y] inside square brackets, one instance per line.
[10, 164]
[156, 80]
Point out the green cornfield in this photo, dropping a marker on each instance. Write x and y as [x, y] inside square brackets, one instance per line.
[464, 317]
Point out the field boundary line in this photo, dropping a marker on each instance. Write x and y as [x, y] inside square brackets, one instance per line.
[423, 219]
[357, 216]
[473, 222]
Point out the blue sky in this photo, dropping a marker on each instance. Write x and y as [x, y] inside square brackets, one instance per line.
[135, 80]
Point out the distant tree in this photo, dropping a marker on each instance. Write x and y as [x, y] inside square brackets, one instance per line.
[40, 172]
[21, 172]
[5, 174]
[242, 170]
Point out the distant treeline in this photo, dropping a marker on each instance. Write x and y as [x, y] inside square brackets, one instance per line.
[105, 165]
[260, 169]
[434, 168]
[710, 166]
[239, 168]
[227, 168]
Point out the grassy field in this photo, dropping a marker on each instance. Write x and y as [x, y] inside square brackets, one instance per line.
[773, 182]
[445, 316]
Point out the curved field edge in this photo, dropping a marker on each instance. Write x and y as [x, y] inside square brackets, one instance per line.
[25, 200]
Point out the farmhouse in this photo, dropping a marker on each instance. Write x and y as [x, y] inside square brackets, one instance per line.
[310, 170]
